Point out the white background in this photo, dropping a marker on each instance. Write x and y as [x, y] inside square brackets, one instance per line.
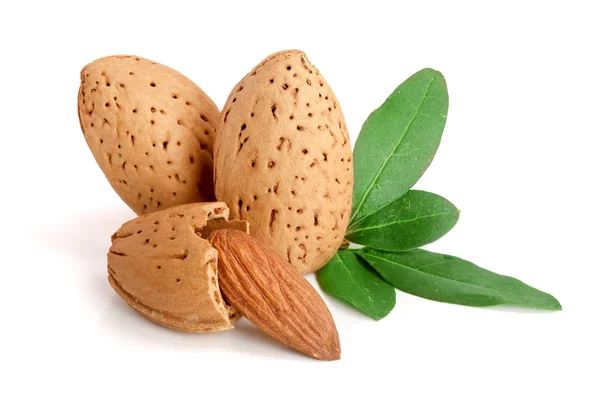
[519, 158]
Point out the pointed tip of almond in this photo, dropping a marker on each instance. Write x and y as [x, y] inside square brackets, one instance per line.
[330, 355]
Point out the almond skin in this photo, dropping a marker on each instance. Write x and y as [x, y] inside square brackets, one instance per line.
[283, 160]
[162, 265]
[150, 130]
[268, 291]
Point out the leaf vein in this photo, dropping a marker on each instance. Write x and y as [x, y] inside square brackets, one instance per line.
[360, 204]
[440, 277]
[354, 280]
[368, 228]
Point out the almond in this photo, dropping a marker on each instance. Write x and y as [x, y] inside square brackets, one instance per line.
[162, 265]
[268, 291]
[283, 160]
[150, 130]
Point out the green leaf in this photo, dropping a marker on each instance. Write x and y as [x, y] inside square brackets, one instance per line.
[414, 220]
[351, 279]
[450, 279]
[397, 142]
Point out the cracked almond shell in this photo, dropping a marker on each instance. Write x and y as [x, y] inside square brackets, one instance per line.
[150, 130]
[283, 160]
[162, 265]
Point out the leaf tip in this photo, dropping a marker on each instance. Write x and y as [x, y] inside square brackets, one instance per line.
[379, 316]
[433, 72]
[553, 303]
[429, 70]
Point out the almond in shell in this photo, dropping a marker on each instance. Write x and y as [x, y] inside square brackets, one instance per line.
[283, 160]
[150, 130]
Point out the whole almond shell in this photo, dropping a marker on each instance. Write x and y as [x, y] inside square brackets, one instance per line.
[283, 160]
[151, 131]
[268, 291]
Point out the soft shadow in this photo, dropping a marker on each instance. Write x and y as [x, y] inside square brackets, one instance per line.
[87, 235]
[82, 241]
[123, 322]
[514, 309]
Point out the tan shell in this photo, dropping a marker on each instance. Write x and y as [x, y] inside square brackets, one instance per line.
[283, 160]
[162, 266]
[151, 131]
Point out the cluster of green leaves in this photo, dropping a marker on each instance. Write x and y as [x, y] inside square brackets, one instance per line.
[396, 145]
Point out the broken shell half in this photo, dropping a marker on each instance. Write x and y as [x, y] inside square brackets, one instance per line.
[162, 265]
